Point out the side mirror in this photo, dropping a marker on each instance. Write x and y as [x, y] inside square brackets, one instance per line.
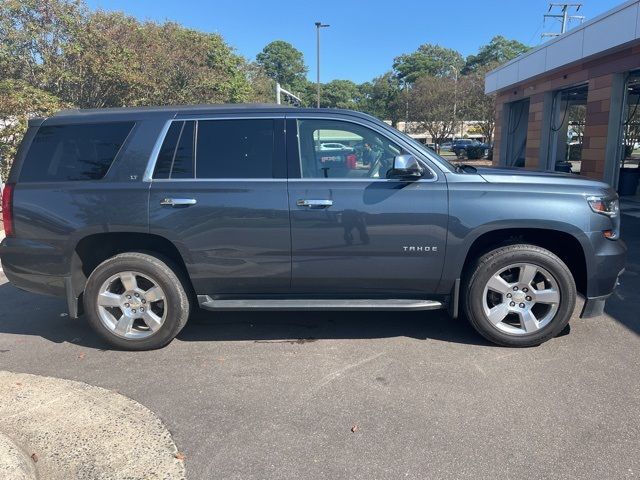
[405, 167]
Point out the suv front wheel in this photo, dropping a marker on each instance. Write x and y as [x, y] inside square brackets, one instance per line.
[136, 301]
[519, 295]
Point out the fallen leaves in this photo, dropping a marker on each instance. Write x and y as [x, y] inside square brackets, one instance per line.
[34, 457]
[354, 429]
[81, 355]
[179, 456]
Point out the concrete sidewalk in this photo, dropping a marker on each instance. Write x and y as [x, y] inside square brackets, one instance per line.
[15, 464]
[71, 430]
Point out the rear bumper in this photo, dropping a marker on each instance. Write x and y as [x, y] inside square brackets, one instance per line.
[35, 282]
[46, 285]
[22, 261]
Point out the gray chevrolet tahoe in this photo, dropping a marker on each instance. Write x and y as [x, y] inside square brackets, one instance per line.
[140, 216]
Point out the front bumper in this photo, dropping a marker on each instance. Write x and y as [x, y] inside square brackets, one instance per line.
[604, 272]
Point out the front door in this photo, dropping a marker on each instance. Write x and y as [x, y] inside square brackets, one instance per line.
[219, 193]
[353, 231]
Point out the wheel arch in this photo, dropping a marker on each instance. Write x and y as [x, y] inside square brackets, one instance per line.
[93, 249]
[566, 245]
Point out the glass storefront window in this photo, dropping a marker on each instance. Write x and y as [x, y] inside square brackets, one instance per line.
[569, 111]
[516, 134]
[630, 148]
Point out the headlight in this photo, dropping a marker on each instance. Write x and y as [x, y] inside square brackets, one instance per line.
[608, 206]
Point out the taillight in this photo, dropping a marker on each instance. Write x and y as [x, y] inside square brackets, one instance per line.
[7, 209]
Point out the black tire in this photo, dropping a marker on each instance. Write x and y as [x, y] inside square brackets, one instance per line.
[167, 276]
[473, 293]
[462, 154]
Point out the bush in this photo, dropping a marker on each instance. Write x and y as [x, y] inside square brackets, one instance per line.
[475, 152]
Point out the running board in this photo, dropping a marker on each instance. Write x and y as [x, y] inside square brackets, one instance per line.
[208, 303]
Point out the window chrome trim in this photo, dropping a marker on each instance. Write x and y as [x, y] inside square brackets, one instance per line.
[238, 179]
[363, 180]
[155, 152]
[419, 156]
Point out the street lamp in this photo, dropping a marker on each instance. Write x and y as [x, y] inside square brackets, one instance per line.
[319, 25]
[455, 98]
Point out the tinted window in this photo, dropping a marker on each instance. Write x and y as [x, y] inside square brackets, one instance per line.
[183, 160]
[235, 149]
[165, 157]
[73, 152]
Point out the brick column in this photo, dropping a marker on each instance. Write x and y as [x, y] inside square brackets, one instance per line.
[597, 127]
[534, 129]
[497, 133]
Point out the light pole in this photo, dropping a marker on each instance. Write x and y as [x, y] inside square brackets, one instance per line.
[455, 97]
[319, 25]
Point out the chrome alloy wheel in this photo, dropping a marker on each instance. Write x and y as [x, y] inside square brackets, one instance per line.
[521, 299]
[131, 305]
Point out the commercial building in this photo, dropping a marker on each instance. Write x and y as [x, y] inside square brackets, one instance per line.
[572, 104]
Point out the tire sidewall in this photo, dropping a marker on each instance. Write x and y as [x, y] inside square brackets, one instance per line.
[495, 261]
[176, 299]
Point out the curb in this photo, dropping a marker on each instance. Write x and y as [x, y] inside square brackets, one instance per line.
[14, 463]
[78, 431]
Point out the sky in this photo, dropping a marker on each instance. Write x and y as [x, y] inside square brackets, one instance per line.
[364, 35]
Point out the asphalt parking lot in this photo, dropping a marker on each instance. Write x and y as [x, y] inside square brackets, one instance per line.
[366, 395]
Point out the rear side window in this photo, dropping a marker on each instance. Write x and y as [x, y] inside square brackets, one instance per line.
[167, 151]
[176, 157]
[235, 149]
[62, 153]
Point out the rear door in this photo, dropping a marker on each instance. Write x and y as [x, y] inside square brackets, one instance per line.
[354, 232]
[219, 192]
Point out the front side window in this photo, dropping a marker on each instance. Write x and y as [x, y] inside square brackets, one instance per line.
[62, 153]
[336, 149]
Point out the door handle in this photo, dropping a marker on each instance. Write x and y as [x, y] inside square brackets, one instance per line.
[314, 203]
[178, 202]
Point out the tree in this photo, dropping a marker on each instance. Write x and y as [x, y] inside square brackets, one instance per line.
[431, 103]
[381, 98]
[118, 61]
[283, 63]
[56, 52]
[33, 34]
[429, 59]
[19, 101]
[499, 50]
[474, 104]
[340, 94]
[262, 88]
[98, 59]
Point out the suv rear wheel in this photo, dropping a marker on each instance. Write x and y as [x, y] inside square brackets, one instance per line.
[136, 301]
[519, 295]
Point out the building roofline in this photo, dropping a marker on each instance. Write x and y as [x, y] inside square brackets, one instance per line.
[532, 60]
